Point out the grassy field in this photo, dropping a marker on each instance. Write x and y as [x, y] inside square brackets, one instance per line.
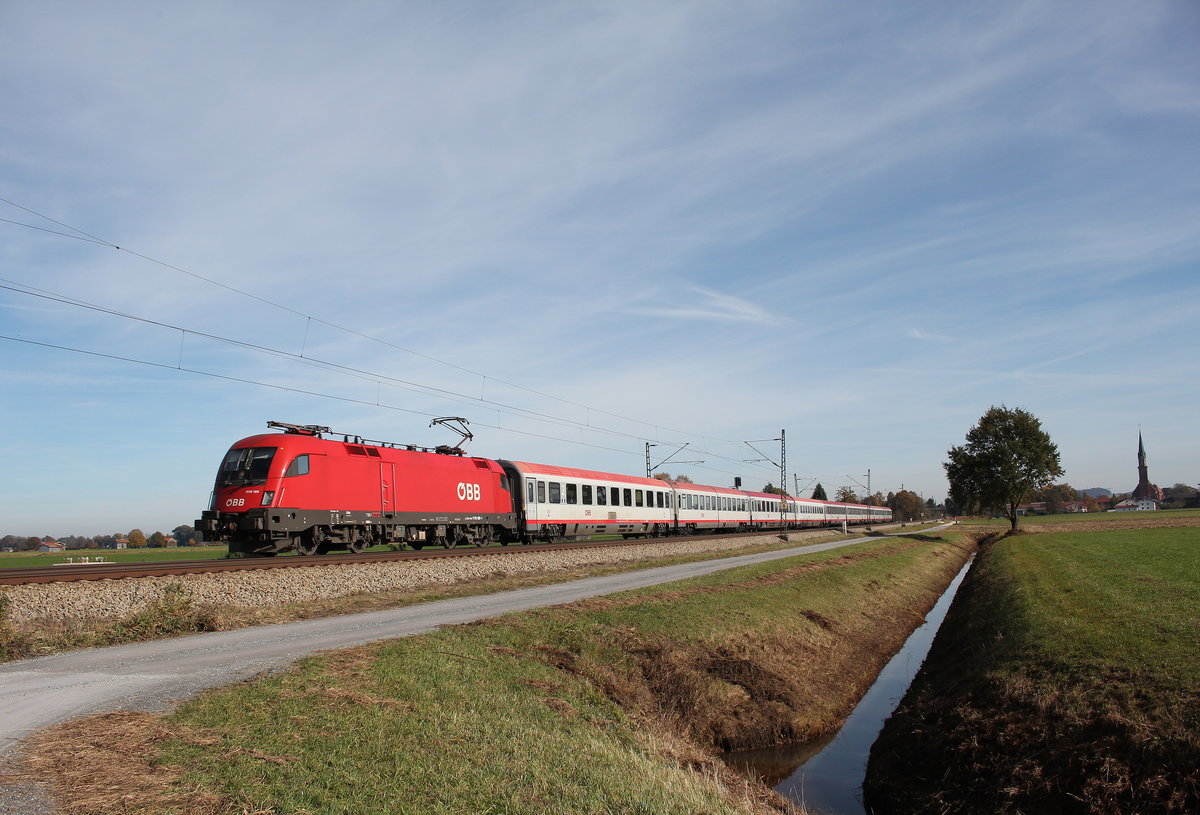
[1066, 680]
[18, 560]
[1086, 518]
[612, 705]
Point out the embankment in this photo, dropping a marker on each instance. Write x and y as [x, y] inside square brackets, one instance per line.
[1064, 679]
[611, 705]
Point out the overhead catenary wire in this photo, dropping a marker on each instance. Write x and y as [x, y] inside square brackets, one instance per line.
[336, 326]
[309, 392]
[79, 234]
[334, 367]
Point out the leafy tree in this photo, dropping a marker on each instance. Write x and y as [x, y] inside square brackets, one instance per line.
[1178, 496]
[137, 539]
[185, 535]
[846, 495]
[1006, 457]
[907, 506]
[1055, 497]
[819, 493]
[157, 540]
[683, 479]
[663, 476]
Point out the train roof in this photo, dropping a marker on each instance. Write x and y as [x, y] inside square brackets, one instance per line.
[529, 468]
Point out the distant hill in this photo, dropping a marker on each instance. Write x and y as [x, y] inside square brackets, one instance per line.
[1096, 492]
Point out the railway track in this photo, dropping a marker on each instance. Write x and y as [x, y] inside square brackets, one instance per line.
[66, 573]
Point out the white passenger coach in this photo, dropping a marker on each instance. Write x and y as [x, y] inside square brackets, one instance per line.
[565, 502]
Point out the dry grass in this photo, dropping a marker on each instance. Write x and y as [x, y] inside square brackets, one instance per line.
[107, 764]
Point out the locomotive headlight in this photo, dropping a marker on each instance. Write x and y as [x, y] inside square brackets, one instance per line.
[268, 497]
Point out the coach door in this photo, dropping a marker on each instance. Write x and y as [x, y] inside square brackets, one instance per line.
[387, 488]
[531, 512]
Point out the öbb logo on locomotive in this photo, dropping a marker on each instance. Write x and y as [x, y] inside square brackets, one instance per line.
[310, 490]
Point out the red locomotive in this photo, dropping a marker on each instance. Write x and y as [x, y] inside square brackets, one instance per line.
[299, 491]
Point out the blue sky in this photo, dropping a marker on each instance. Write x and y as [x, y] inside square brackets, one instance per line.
[584, 226]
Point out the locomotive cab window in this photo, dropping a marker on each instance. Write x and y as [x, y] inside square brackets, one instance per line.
[299, 466]
[246, 466]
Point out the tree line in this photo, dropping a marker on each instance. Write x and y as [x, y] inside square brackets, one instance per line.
[183, 535]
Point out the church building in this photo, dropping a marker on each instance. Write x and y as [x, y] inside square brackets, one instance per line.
[1145, 495]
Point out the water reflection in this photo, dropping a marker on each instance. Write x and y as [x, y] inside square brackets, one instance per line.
[826, 776]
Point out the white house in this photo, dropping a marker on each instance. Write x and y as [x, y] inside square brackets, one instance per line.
[1135, 504]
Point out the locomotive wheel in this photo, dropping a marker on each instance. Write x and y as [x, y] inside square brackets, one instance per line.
[356, 546]
[307, 544]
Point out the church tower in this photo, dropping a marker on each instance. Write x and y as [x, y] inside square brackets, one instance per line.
[1145, 489]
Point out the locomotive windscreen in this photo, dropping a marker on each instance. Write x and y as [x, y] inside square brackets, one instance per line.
[245, 466]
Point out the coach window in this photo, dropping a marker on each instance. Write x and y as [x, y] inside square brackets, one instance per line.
[637, 498]
[572, 494]
[541, 492]
[587, 494]
[299, 466]
[628, 497]
[602, 496]
[662, 500]
[555, 492]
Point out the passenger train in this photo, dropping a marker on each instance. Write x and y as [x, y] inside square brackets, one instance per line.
[297, 490]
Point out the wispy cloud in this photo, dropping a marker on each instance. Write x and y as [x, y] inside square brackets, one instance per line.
[710, 305]
[927, 336]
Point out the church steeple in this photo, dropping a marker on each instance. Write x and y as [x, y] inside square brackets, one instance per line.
[1144, 488]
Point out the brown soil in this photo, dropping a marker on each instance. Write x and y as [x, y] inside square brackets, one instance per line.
[1109, 525]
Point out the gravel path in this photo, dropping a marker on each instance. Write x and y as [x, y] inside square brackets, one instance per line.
[106, 599]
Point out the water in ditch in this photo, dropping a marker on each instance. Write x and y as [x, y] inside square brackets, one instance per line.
[826, 776]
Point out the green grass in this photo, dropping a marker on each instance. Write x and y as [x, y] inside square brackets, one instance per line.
[1084, 517]
[17, 560]
[604, 706]
[1066, 680]
[1109, 602]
